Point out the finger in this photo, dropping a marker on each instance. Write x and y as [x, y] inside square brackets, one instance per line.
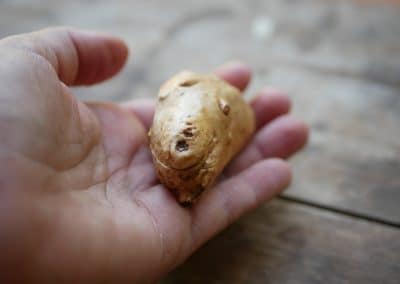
[280, 139]
[268, 105]
[143, 109]
[78, 57]
[172, 221]
[235, 73]
[225, 203]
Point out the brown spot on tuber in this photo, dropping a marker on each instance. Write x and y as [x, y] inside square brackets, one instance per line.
[181, 146]
[226, 110]
[187, 203]
[224, 106]
[163, 96]
[189, 83]
[188, 132]
[194, 194]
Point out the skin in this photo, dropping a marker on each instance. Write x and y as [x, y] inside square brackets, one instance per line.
[79, 198]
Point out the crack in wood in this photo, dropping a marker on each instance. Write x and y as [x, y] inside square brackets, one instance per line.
[340, 211]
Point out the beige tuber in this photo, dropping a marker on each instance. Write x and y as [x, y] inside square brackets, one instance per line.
[201, 122]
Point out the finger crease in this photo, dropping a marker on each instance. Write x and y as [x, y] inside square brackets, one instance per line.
[155, 225]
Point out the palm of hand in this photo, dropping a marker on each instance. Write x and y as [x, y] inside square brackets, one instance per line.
[84, 176]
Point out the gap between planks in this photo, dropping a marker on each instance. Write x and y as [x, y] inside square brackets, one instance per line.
[339, 211]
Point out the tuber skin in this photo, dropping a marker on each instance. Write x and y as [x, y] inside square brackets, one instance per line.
[200, 123]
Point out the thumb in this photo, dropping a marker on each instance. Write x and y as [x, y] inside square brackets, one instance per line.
[78, 57]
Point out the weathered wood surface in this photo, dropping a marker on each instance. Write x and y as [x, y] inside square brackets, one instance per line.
[339, 61]
[353, 160]
[288, 243]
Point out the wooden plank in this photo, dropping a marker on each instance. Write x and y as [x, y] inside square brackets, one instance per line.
[313, 33]
[352, 162]
[309, 35]
[338, 59]
[343, 75]
[288, 243]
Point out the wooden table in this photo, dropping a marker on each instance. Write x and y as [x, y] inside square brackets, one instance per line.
[340, 62]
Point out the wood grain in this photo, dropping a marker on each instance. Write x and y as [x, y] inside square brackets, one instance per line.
[287, 243]
[352, 161]
[340, 62]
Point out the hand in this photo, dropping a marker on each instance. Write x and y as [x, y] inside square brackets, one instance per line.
[79, 199]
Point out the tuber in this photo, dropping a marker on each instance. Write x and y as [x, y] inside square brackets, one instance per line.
[201, 122]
